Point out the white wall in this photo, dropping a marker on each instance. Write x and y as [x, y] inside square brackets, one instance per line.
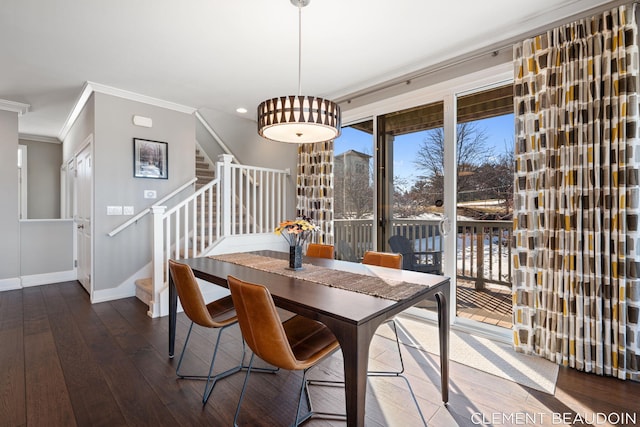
[46, 251]
[117, 258]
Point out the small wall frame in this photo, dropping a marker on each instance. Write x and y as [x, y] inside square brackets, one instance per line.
[150, 159]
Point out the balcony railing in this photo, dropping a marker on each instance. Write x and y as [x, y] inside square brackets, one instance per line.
[483, 247]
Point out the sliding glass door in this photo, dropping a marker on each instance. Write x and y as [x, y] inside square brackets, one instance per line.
[434, 182]
[484, 196]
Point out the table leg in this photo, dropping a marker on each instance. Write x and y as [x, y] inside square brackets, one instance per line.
[354, 342]
[443, 332]
[173, 308]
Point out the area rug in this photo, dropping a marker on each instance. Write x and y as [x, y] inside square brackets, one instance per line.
[489, 356]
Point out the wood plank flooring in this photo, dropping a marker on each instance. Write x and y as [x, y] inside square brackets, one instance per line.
[65, 362]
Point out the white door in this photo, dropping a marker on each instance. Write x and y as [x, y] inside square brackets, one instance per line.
[83, 199]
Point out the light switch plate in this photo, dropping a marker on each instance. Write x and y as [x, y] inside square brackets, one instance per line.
[114, 210]
[127, 210]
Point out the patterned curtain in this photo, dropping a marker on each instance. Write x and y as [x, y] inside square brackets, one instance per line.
[576, 259]
[315, 187]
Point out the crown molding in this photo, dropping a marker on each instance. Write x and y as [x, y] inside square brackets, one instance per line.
[39, 138]
[16, 107]
[90, 87]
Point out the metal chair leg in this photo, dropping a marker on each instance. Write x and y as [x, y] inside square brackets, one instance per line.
[209, 378]
[392, 322]
[399, 374]
[312, 412]
[303, 391]
[244, 388]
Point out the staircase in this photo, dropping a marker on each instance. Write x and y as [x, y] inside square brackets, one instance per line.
[204, 170]
[231, 201]
[205, 173]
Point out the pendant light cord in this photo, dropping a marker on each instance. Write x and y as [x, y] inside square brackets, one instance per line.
[299, 48]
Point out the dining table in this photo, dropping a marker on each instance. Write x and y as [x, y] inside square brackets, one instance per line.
[351, 299]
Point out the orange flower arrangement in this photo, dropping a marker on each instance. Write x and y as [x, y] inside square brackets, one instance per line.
[296, 232]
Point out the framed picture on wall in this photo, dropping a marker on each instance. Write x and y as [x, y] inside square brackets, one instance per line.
[150, 159]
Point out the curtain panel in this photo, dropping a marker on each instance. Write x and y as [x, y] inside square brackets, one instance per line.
[315, 188]
[576, 290]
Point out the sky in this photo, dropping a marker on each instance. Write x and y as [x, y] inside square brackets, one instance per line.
[500, 132]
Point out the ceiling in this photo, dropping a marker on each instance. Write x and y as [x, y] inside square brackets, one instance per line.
[221, 55]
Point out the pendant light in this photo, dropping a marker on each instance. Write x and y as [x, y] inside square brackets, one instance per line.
[299, 119]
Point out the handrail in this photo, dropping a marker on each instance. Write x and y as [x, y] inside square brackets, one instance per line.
[193, 196]
[147, 210]
[218, 140]
[213, 133]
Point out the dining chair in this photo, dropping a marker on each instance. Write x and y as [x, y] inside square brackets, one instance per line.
[299, 343]
[320, 251]
[383, 259]
[391, 260]
[218, 314]
[424, 262]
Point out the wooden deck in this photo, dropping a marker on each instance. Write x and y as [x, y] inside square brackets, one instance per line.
[65, 362]
[491, 305]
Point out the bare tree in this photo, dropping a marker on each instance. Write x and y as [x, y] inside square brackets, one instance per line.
[472, 152]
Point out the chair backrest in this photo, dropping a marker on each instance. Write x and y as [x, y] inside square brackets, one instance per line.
[345, 252]
[190, 296]
[383, 259]
[260, 324]
[320, 251]
[402, 245]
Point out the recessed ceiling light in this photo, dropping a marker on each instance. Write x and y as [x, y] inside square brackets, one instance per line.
[241, 110]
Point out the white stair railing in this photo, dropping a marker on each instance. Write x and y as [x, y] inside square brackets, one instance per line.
[240, 200]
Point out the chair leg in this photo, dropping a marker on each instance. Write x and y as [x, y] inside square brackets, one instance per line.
[244, 388]
[184, 347]
[313, 412]
[303, 390]
[399, 374]
[210, 378]
[392, 322]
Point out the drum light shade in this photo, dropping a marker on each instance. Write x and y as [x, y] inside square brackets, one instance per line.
[299, 119]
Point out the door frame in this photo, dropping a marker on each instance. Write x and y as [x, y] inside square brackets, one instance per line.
[87, 144]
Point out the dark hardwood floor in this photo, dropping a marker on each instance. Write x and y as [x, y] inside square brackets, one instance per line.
[65, 362]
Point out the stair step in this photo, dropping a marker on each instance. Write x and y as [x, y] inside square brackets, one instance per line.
[144, 289]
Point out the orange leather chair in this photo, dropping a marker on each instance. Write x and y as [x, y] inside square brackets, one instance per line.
[217, 314]
[297, 344]
[383, 259]
[391, 260]
[320, 251]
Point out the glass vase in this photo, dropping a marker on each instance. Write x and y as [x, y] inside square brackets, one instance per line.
[295, 257]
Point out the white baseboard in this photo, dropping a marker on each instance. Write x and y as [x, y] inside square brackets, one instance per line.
[125, 290]
[10, 284]
[47, 278]
[37, 280]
